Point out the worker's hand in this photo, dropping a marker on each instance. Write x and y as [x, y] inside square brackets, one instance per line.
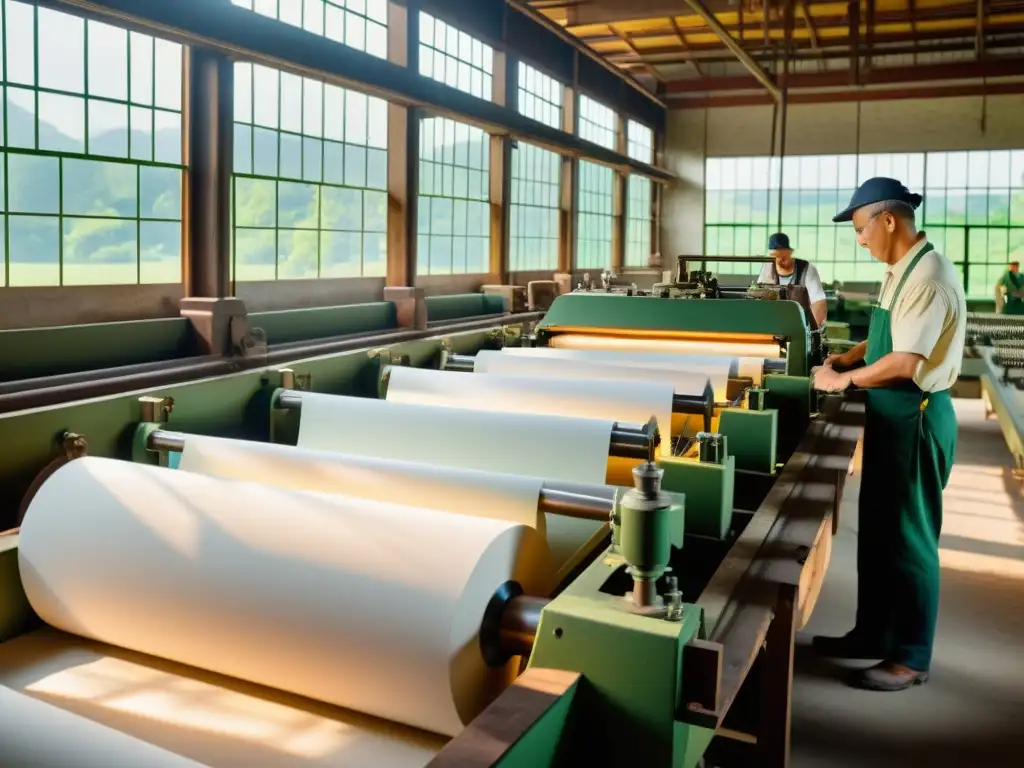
[833, 360]
[827, 380]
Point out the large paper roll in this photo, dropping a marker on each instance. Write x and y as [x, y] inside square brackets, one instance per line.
[554, 447]
[551, 447]
[666, 346]
[374, 607]
[634, 403]
[34, 733]
[449, 489]
[571, 364]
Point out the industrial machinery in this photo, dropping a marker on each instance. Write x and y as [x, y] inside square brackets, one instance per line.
[994, 355]
[682, 550]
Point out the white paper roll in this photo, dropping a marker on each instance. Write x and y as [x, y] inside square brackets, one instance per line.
[633, 403]
[576, 365]
[551, 447]
[38, 735]
[374, 607]
[449, 489]
[556, 447]
[666, 346]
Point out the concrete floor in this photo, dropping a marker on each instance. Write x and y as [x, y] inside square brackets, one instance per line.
[971, 712]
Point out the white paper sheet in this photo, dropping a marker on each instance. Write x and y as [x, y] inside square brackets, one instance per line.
[577, 365]
[551, 447]
[34, 733]
[666, 346]
[370, 606]
[216, 721]
[449, 489]
[630, 403]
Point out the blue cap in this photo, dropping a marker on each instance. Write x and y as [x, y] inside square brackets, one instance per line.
[779, 242]
[875, 191]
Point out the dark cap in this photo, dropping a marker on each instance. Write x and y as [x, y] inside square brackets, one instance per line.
[875, 191]
[779, 242]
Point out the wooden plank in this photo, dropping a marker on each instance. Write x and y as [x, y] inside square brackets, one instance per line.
[773, 737]
[490, 736]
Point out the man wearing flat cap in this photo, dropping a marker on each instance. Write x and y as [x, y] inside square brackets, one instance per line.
[789, 271]
[910, 360]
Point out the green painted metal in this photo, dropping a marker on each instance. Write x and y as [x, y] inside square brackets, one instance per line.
[457, 306]
[752, 437]
[791, 397]
[632, 666]
[545, 743]
[286, 326]
[709, 493]
[643, 313]
[973, 368]
[1007, 402]
[30, 352]
[16, 616]
[236, 405]
[837, 331]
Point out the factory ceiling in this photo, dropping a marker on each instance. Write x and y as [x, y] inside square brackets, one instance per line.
[751, 51]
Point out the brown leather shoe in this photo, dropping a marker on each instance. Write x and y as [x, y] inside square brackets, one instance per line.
[888, 676]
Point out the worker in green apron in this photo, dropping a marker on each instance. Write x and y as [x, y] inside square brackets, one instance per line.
[911, 358]
[1011, 288]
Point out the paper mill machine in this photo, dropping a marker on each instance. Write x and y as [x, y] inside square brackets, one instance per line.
[586, 583]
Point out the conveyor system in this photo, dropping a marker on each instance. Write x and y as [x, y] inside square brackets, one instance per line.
[175, 540]
[994, 355]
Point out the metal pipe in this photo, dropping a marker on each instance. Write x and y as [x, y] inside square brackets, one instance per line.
[519, 622]
[572, 504]
[165, 440]
[460, 363]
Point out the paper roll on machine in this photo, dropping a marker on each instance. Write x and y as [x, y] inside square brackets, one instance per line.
[666, 636]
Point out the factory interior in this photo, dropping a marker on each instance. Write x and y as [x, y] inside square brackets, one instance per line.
[503, 450]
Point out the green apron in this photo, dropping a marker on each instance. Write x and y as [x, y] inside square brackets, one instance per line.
[1012, 282]
[909, 442]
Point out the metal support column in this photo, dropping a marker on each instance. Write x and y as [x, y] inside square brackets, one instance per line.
[207, 188]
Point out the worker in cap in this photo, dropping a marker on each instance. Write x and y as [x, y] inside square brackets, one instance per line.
[789, 271]
[1010, 291]
[911, 358]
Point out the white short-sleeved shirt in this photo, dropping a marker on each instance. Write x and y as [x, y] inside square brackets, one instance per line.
[929, 317]
[812, 281]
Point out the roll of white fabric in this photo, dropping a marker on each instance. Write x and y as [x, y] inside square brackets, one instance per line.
[631, 403]
[370, 606]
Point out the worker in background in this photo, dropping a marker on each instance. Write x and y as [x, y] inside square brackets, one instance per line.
[911, 358]
[1010, 291]
[789, 271]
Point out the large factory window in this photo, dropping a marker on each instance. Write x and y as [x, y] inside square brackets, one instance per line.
[594, 219]
[360, 24]
[454, 212]
[454, 58]
[974, 212]
[973, 209]
[310, 183]
[540, 96]
[595, 123]
[533, 211]
[92, 160]
[640, 143]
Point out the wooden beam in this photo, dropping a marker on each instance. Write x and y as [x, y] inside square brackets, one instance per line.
[619, 182]
[403, 155]
[624, 37]
[809, 22]
[869, 31]
[683, 44]
[979, 39]
[854, 13]
[568, 194]
[752, 66]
